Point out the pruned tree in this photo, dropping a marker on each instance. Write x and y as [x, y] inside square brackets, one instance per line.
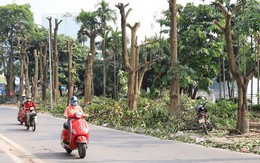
[56, 63]
[36, 74]
[91, 28]
[175, 89]
[134, 72]
[70, 71]
[242, 79]
[26, 72]
[43, 69]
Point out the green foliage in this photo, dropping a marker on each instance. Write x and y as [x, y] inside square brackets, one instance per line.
[255, 108]
[123, 83]
[223, 114]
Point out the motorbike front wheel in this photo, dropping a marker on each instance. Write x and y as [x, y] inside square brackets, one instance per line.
[33, 124]
[82, 150]
[204, 128]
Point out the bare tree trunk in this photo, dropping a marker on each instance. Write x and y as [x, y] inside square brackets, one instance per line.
[135, 72]
[174, 93]
[220, 87]
[242, 80]
[41, 64]
[10, 74]
[89, 70]
[45, 73]
[51, 52]
[132, 75]
[56, 63]
[104, 67]
[36, 70]
[21, 86]
[70, 72]
[115, 77]
[26, 73]
[224, 78]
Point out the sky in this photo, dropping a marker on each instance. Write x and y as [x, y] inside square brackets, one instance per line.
[143, 11]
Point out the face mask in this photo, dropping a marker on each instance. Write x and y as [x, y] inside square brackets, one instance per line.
[74, 103]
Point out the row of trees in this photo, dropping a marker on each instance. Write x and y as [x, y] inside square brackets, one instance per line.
[184, 63]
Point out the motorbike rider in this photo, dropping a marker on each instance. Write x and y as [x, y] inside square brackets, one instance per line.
[71, 109]
[26, 108]
[20, 104]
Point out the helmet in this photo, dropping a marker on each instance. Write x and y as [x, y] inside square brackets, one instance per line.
[29, 97]
[23, 95]
[74, 98]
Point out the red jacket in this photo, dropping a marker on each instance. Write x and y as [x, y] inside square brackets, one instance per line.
[28, 104]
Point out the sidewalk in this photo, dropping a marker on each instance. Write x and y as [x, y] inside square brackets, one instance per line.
[11, 152]
[4, 158]
[6, 155]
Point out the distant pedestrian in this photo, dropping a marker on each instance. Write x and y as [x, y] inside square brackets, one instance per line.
[60, 89]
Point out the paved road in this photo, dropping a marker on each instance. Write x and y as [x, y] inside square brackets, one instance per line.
[106, 145]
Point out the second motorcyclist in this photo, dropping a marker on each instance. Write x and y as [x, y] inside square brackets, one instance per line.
[26, 108]
[20, 105]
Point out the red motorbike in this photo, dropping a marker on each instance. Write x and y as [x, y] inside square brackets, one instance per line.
[23, 113]
[75, 135]
[19, 116]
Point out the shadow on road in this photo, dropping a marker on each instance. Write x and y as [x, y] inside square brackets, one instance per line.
[58, 156]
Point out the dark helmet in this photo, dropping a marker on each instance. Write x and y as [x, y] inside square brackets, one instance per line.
[29, 97]
[74, 98]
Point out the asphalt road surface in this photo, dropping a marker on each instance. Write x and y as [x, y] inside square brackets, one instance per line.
[105, 146]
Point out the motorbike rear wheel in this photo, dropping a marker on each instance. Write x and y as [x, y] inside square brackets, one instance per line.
[27, 126]
[204, 128]
[82, 150]
[209, 126]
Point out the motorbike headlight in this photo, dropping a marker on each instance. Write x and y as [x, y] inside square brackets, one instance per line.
[78, 115]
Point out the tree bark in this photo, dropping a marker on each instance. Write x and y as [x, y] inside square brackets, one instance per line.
[51, 53]
[10, 74]
[242, 80]
[134, 72]
[174, 92]
[21, 86]
[45, 73]
[56, 63]
[89, 68]
[36, 74]
[70, 72]
[26, 73]
[104, 66]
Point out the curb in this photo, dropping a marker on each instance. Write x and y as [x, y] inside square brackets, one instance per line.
[23, 151]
